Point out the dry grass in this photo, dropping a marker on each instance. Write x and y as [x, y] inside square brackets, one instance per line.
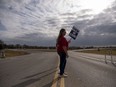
[12, 53]
[47, 50]
[101, 51]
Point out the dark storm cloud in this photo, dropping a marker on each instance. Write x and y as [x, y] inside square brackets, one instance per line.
[35, 39]
[2, 2]
[104, 29]
[94, 40]
[68, 14]
[31, 36]
[2, 27]
[52, 21]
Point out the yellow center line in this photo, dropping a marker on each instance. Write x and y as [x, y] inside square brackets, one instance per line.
[62, 82]
[54, 84]
[56, 78]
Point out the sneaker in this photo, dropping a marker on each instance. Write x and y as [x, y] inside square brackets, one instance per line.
[65, 75]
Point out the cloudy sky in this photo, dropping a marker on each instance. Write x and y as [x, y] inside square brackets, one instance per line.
[37, 22]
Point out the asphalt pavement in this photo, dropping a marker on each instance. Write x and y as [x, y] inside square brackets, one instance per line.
[33, 70]
[90, 70]
[40, 69]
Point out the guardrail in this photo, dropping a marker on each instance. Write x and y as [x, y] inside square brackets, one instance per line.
[109, 53]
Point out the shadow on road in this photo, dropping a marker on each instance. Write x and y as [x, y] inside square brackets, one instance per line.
[40, 73]
[114, 64]
[32, 80]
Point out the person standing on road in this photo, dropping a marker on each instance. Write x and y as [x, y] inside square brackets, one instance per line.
[62, 48]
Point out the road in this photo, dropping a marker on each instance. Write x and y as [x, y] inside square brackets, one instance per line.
[89, 70]
[39, 69]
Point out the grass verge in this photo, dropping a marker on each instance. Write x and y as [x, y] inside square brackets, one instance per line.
[101, 51]
[12, 53]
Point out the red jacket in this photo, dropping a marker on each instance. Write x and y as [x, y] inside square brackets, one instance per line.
[62, 42]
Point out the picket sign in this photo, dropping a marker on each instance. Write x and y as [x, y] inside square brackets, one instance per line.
[74, 32]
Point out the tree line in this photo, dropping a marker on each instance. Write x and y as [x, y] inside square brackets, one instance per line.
[24, 46]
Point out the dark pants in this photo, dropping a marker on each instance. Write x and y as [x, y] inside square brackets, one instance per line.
[62, 62]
